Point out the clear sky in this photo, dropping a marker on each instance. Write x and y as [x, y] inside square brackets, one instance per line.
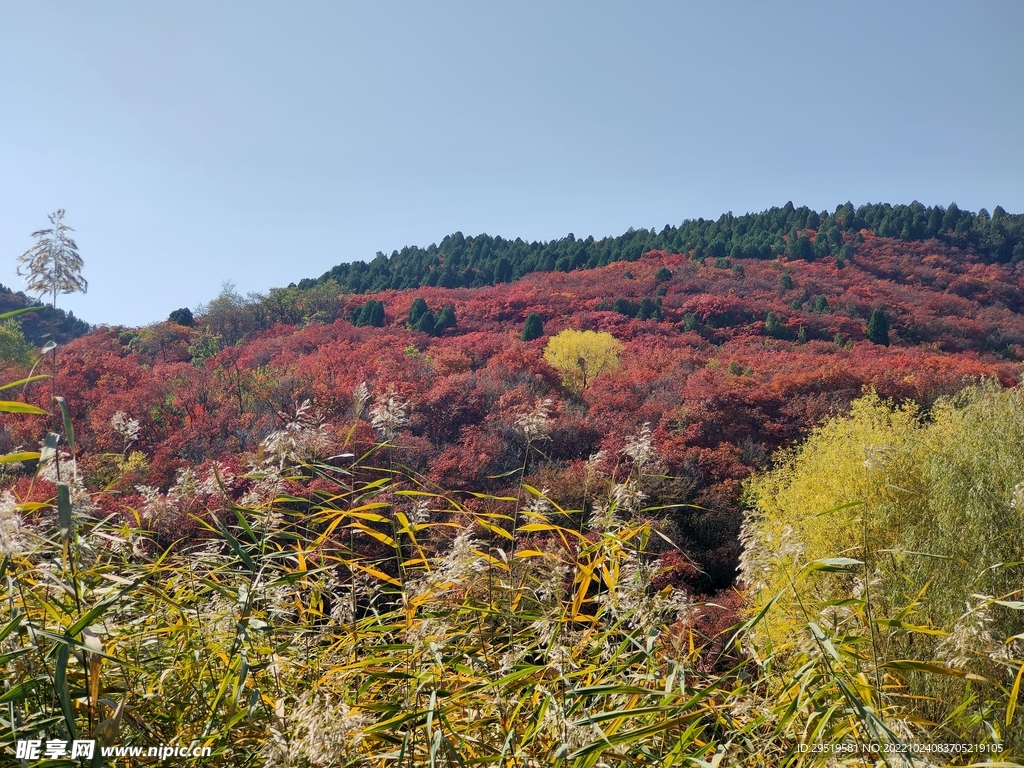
[197, 142]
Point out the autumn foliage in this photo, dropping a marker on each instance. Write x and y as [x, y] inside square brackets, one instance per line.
[720, 386]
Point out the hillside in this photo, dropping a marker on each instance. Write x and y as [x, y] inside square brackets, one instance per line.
[738, 357]
[36, 326]
[484, 260]
[544, 521]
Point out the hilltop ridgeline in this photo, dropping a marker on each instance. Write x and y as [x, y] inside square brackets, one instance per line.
[37, 326]
[795, 232]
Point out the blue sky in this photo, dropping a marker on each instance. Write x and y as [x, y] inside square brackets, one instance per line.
[197, 142]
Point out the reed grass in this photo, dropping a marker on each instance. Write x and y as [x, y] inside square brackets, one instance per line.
[341, 613]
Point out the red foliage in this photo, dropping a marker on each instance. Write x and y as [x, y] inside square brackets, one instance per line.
[719, 398]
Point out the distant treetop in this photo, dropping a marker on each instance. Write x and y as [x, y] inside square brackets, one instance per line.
[798, 233]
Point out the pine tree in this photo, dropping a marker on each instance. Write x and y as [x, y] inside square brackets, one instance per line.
[534, 327]
[878, 328]
[426, 324]
[445, 319]
[417, 310]
[773, 326]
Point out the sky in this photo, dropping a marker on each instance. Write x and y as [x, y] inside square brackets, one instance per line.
[194, 143]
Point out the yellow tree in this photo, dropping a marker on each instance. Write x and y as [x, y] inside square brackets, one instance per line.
[583, 355]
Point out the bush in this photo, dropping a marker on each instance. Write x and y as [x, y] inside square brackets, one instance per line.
[899, 541]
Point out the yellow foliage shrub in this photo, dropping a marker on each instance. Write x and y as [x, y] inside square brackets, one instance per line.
[581, 356]
[897, 537]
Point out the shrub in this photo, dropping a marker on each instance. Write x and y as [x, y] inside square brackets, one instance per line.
[896, 542]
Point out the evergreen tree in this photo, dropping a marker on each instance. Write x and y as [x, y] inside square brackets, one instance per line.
[426, 324]
[624, 307]
[375, 314]
[878, 328]
[182, 316]
[417, 310]
[799, 247]
[773, 326]
[785, 281]
[445, 319]
[648, 309]
[821, 248]
[534, 327]
[371, 313]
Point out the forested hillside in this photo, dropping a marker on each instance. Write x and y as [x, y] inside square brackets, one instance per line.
[38, 325]
[726, 360]
[484, 260]
[752, 496]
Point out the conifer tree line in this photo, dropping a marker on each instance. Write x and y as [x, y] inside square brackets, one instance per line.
[798, 233]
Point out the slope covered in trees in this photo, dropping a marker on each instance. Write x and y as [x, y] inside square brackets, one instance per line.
[478, 521]
[484, 260]
[742, 356]
[38, 325]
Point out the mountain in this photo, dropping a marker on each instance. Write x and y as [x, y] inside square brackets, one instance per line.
[38, 326]
[725, 358]
[484, 260]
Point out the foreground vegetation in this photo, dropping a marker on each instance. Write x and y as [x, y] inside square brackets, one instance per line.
[343, 611]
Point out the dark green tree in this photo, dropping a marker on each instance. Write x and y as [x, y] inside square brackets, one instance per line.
[445, 319]
[534, 327]
[418, 309]
[649, 309]
[426, 324]
[371, 313]
[375, 314]
[773, 326]
[799, 247]
[785, 281]
[821, 246]
[663, 274]
[624, 307]
[182, 316]
[878, 328]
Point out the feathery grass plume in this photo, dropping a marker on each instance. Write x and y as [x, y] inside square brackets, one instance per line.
[390, 415]
[53, 265]
[535, 424]
[360, 399]
[125, 426]
[12, 541]
[302, 438]
[640, 450]
[319, 732]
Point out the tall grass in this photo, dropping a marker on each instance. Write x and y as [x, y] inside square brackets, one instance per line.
[346, 613]
[895, 541]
